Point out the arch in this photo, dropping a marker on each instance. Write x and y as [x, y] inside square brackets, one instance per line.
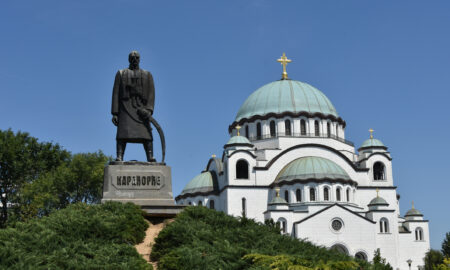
[326, 194]
[379, 171]
[272, 128]
[312, 194]
[347, 193]
[258, 130]
[361, 255]
[302, 127]
[286, 195]
[340, 248]
[247, 135]
[338, 194]
[200, 203]
[419, 234]
[211, 204]
[328, 129]
[283, 224]
[242, 169]
[298, 195]
[244, 207]
[316, 128]
[384, 225]
[287, 127]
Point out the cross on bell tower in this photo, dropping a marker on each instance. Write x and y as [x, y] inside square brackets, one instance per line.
[284, 61]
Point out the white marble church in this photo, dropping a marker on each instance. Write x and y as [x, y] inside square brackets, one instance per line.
[288, 160]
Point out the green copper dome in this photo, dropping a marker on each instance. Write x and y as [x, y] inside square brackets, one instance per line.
[413, 212]
[372, 143]
[312, 168]
[278, 200]
[286, 96]
[203, 182]
[378, 201]
[238, 140]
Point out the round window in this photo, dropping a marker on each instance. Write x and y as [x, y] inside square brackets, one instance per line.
[336, 225]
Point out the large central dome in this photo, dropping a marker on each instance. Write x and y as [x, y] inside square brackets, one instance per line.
[286, 96]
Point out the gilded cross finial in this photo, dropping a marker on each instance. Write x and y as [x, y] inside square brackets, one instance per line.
[284, 61]
[412, 204]
[238, 127]
[213, 156]
[277, 190]
[378, 192]
[371, 133]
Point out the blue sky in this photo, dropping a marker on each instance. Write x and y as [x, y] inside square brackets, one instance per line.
[384, 65]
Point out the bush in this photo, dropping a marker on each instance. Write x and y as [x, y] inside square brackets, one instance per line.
[80, 236]
[201, 238]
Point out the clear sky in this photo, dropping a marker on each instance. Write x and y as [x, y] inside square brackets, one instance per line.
[384, 64]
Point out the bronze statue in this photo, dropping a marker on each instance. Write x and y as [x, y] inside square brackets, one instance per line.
[133, 101]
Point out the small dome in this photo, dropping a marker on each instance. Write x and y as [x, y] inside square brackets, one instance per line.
[372, 143]
[413, 212]
[239, 140]
[204, 182]
[286, 96]
[378, 201]
[312, 168]
[278, 200]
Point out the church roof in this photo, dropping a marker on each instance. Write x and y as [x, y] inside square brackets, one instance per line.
[286, 96]
[278, 200]
[312, 168]
[413, 212]
[378, 201]
[204, 182]
[239, 140]
[372, 143]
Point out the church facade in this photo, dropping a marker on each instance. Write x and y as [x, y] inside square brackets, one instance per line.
[288, 160]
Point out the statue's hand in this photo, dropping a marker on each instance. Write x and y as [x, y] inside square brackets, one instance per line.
[144, 113]
[115, 120]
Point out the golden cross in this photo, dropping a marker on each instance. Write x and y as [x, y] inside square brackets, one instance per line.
[238, 127]
[277, 190]
[377, 192]
[213, 156]
[284, 61]
[412, 204]
[371, 133]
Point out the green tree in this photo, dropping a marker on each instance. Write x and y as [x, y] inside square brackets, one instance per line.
[432, 259]
[22, 160]
[446, 245]
[379, 263]
[78, 180]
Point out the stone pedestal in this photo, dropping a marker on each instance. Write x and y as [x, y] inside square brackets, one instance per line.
[147, 184]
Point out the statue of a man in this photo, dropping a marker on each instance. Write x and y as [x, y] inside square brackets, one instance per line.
[133, 99]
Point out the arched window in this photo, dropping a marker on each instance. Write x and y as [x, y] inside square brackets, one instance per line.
[272, 128]
[340, 248]
[326, 194]
[312, 194]
[200, 203]
[348, 194]
[244, 207]
[211, 204]
[282, 223]
[302, 127]
[258, 130]
[328, 129]
[242, 169]
[286, 195]
[361, 255]
[384, 225]
[316, 128]
[298, 195]
[379, 171]
[419, 234]
[246, 132]
[287, 127]
[338, 194]
[189, 203]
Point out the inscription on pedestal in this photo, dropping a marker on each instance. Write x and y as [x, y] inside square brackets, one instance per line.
[138, 180]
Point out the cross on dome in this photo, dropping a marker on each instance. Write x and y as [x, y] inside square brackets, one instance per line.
[371, 133]
[284, 61]
[378, 192]
[238, 127]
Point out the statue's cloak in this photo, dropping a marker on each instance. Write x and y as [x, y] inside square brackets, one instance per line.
[133, 90]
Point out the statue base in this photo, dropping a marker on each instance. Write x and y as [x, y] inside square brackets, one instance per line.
[147, 184]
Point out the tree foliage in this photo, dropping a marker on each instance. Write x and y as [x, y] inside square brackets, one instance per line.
[80, 236]
[432, 259]
[446, 245]
[201, 238]
[22, 160]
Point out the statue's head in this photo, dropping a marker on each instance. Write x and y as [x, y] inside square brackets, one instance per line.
[134, 59]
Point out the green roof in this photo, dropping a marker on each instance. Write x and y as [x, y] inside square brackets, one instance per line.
[311, 168]
[372, 143]
[278, 200]
[203, 182]
[286, 96]
[413, 212]
[378, 201]
[238, 140]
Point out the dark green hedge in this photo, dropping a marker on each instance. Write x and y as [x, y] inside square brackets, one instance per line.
[80, 236]
[201, 238]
